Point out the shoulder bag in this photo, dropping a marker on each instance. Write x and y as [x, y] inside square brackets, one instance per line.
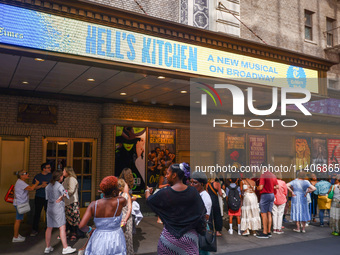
[331, 194]
[23, 208]
[208, 242]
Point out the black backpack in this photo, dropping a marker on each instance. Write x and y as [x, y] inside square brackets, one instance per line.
[234, 200]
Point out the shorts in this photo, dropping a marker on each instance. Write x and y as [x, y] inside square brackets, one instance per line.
[234, 213]
[267, 202]
[18, 215]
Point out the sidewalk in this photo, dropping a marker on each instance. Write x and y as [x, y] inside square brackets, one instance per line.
[146, 238]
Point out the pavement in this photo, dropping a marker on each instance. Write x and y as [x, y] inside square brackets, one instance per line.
[316, 240]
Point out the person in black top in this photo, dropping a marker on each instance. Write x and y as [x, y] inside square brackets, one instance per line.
[40, 199]
[182, 211]
[214, 190]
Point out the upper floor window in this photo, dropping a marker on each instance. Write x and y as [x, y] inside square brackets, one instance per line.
[308, 25]
[329, 31]
[333, 84]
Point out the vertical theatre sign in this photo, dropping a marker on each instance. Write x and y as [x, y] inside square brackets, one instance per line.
[257, 150]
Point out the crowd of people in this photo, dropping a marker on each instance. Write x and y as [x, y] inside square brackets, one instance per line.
[187, 203]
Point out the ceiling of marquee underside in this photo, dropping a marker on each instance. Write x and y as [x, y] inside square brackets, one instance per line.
[25, 73]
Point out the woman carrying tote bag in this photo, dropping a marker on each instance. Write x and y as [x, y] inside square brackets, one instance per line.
[21, 202]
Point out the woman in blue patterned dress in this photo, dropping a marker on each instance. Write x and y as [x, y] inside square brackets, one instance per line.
[55, 215]
[299, 208]
[108, 237]
[182, 211]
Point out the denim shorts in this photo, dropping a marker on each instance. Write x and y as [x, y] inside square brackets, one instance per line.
[266, 202]
[18, 216]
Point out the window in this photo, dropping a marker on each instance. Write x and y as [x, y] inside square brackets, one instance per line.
[332, 84]
[308, 25]
[78, 153]
[329, 31]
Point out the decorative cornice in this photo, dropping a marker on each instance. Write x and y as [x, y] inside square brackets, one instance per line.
[114, 17]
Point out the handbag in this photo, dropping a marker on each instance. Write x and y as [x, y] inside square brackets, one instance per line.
[331, 194]
[9, 197]
[208, 242]
[81, 251]
[23, 208]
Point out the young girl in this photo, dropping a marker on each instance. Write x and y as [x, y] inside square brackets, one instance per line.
[55, 193]
[233, 193]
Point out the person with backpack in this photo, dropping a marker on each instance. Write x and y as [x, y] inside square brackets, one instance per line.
[233, 198]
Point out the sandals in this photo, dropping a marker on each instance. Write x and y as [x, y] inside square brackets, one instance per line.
[218, 234]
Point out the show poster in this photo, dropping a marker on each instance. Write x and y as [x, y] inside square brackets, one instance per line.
[334, 152]
[162, 151]
[302, 152]
[130, 153]
[236, 150]
[319, 153]
[257, 150]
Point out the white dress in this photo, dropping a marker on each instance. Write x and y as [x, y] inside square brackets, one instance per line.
[55, 211]
[250, 210]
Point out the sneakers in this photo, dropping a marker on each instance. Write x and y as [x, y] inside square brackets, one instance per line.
[48, 249]
[69, 250]
[34, 233]
[275, 231]
[335, 233]
[297, 230]
[322, 225]
[239, 232]
[261, 235]
[246, 233]
[279, 232]
[270, 234]
[18, 239]
[230, 231]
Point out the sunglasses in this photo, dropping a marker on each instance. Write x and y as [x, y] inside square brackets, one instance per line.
[24, 173]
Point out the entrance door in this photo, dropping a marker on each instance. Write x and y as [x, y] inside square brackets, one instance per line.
[13, 157]
[79, 154]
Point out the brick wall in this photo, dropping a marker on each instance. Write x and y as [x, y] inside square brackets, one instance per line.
[168, 9]
[281, 23]
[82, 120]
[75, 120]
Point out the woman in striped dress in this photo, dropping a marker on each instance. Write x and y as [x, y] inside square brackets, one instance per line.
[182, 211]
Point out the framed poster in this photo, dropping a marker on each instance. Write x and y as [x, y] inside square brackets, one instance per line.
[236, 150]
[319, 154]
[257, 150]
[302, 152]
[162, 151]
[333, 153]
[130, 153]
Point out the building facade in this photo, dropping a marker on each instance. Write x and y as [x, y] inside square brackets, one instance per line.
[98, 85]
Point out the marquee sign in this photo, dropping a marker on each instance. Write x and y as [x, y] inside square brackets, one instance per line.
[58, 34]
